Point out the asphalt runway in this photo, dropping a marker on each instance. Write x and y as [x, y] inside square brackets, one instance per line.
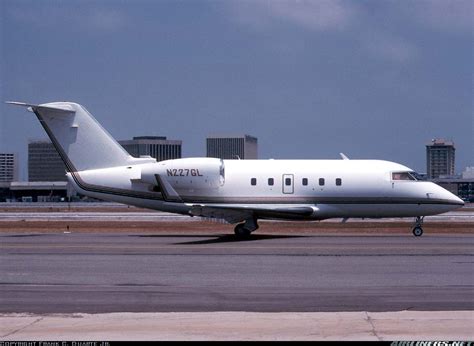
[133, 272]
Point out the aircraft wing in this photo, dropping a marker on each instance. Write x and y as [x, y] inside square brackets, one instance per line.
[233, 213]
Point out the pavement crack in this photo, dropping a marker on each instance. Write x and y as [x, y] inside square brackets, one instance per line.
[371, 322]
[22, 328]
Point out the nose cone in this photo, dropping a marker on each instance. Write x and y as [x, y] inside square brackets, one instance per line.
[456, 200]
[448, 198]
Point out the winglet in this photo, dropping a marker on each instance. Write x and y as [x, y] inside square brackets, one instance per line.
[344, 157]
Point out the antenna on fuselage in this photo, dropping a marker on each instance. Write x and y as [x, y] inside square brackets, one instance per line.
[344, 157]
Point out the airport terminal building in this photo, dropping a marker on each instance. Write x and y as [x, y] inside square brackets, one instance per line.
[461, 185]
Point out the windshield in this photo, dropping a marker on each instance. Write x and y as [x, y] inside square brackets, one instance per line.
[418, 176]
[404, 176]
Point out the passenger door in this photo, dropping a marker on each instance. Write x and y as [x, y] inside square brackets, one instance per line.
[288, 183]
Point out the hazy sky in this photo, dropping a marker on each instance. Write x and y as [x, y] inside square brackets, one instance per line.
[373, 79]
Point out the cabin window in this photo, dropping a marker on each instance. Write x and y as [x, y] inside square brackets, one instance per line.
[253, 181]
[338, 181]
[288, 181]
[321, 181]
[270, 181]
[305, 181]
[402, 176]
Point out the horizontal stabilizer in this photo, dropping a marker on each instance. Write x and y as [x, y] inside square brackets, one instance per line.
[15, 103]
[59, 107]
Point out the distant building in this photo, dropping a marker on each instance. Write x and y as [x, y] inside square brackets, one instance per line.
[155, 146]
[468, 173]
[232, 147]
[8, 167]
[440, 155]
[462, 187]
[44, 162]
[41, 191]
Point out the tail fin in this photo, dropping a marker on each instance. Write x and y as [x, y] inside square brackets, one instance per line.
[79, 139]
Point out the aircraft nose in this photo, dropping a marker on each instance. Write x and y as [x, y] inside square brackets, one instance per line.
[448, 197]
[456, 200]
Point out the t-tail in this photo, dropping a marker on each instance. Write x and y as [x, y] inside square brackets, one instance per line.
[80, 140]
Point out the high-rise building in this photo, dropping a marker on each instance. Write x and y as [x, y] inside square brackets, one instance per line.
[232, 147]
[155, 146]
[440, 155]
[8, 167]
[44, 162]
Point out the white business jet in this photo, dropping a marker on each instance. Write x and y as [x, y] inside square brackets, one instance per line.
[237, 191]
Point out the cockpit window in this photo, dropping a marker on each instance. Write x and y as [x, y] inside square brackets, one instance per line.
[403, 176]
[418, 176]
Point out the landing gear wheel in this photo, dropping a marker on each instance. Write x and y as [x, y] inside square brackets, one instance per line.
[417, 231]
[240, 231]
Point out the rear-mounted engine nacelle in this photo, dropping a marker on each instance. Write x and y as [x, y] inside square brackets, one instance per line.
[191, 173]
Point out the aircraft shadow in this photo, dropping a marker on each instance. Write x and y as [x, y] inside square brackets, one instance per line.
[23, 235]
[222, 238]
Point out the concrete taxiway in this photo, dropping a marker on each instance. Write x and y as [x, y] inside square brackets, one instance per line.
[230, 326]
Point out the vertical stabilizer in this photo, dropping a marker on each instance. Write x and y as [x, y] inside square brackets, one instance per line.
[80, 140]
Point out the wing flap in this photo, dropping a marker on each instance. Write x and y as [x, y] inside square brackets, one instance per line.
[227, 214]
[236, 213]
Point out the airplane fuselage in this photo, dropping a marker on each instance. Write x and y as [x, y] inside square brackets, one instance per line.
[330, 188]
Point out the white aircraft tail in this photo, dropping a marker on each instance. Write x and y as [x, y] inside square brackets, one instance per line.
[79, 139]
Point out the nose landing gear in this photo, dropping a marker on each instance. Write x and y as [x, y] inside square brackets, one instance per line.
[417, 230]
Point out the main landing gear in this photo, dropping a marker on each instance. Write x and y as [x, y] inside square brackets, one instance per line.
[417, 230]
[243, 230]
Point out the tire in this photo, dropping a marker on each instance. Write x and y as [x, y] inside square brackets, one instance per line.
[417, 231]
[241, 231]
